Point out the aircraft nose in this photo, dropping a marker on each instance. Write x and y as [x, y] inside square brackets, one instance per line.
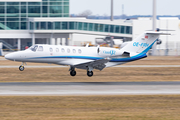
[9, 56]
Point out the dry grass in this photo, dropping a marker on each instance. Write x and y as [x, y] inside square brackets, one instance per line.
[107, 75]
[90, 108]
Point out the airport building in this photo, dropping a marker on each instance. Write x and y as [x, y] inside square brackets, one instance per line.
[25, 23]
[28, 22]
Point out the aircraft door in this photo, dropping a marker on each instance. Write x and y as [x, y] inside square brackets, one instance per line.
[98, 50]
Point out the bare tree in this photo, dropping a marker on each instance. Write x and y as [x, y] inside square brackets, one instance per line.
[85, 13]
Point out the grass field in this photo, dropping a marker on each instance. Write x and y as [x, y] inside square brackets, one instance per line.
[107, 75]
[90, 108]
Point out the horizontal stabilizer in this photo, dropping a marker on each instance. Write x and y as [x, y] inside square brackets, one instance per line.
[157, 33]
[157, 30]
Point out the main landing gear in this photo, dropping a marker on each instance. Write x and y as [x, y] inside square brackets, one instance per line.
[89, 71]
[72, 71]
[21, 67]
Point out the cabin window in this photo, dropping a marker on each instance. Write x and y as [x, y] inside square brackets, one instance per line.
[57, 49]
[40, 48]
[50, 49]
[62, 50]
[74, 51]
[79, 51]
[34, 48]
[68, 50]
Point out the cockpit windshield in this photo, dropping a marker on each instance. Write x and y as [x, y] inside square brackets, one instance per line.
[34, 48]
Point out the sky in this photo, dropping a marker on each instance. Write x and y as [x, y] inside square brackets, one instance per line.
[131, 7]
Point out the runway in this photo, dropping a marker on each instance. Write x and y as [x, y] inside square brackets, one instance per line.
[89, 88]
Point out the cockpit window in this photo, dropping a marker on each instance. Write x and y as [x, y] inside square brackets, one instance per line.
[34, 48]
[40, 48]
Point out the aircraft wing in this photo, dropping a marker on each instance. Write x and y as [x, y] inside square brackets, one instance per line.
[97, 64]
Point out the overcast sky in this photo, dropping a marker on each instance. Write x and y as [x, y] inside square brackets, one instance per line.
[131, 7]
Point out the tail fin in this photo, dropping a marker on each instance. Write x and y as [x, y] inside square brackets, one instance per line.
[143, 43]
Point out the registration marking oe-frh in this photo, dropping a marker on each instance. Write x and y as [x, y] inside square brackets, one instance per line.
[137, 44]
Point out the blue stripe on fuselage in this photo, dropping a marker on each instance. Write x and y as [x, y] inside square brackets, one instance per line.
[139, 56]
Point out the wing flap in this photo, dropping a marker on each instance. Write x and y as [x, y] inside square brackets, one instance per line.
[158, 33]
[97, 64]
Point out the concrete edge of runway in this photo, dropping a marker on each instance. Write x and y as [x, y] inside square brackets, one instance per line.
[88, 88]
[89, 83]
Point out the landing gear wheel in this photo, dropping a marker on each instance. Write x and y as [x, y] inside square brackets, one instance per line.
[73, 73]
[90, 73]
[21, 68]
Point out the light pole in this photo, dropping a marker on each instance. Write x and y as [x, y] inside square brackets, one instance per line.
[167, 49]
[112, 16]
[154, 15]
[154, 26]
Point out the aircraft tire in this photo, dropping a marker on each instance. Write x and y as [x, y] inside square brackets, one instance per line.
[73, 73]
[21, 68]
[90, 73]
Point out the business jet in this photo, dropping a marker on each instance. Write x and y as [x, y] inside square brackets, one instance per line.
[88, 58]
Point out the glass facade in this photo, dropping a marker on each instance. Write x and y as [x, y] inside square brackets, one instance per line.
[14, 15]
[84, 26]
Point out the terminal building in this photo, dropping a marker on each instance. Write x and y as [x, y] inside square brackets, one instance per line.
[28, 22]
[48, 22]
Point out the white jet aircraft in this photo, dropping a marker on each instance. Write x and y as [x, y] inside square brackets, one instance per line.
[88, 58]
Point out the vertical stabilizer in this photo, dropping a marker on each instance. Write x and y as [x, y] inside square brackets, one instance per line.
[142, 44]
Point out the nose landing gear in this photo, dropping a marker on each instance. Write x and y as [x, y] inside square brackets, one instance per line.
[21, 67]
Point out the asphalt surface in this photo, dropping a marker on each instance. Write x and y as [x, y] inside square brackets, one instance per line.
[88, 88]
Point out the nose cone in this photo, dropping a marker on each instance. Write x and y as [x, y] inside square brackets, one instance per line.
[9, 56]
